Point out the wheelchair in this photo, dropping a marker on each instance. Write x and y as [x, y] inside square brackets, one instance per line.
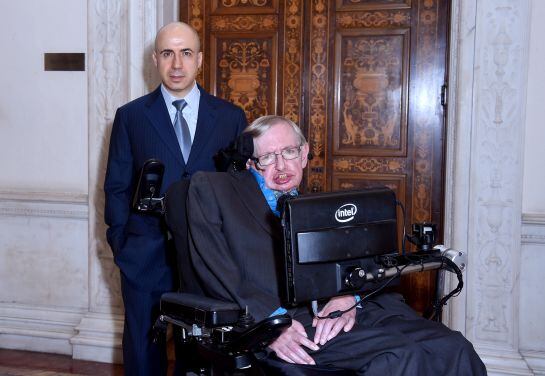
[218, 337]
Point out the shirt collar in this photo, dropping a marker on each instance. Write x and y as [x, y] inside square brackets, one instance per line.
[192, 98]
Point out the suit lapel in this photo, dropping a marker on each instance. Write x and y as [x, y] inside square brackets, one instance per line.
[206, 121]
[157, 113]
[255, 203]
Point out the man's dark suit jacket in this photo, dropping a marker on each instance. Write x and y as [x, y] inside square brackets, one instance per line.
[142, 130]
[235, 237]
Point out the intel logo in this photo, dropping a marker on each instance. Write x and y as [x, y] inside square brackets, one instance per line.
[346, 213]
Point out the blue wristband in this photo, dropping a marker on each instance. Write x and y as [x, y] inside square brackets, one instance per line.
[279, 311]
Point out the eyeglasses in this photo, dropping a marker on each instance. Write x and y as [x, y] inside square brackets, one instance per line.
[288, 153]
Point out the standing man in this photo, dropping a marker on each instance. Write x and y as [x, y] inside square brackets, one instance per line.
[182, 126]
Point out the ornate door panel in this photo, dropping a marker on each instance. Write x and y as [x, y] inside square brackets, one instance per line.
[363, 78]
[387, 68]
[253, 52]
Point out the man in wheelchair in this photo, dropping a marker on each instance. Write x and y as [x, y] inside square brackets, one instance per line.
[234, 245]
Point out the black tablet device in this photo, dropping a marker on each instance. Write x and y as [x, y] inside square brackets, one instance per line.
[331, 241]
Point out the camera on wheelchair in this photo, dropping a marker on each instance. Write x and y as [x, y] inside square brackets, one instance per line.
[424, 236]
[147, 198]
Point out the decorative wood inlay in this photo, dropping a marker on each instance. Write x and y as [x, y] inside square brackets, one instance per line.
[371, 79]
[244, 3]
[378, 165]
[422, 174]
[253, 23]
[244, 7]
[196, 15]
[422, 126]
[245, 74]
[292, 61]
[196, 20]
[319, 49]
[353, 181]
[374, 19]
[372, 4]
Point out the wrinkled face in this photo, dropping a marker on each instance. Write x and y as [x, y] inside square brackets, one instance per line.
[282, 175]
[177, 59]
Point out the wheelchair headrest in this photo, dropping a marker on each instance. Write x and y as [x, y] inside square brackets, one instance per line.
[236, 154]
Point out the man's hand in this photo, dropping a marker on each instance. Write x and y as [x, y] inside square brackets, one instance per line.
[288, 346]
[326, 329]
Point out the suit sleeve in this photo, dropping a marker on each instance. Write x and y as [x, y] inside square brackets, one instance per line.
[213, 259]
[118, 182]
[242, 122]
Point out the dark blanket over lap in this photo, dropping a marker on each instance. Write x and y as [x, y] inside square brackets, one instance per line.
[391, 339]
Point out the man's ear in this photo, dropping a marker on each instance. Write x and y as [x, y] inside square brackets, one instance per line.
[154, 57]
[304, 154]
[251, 163]
[199, 59]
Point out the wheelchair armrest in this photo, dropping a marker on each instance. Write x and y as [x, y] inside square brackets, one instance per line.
[213, 313]
[258, 336]
[200, 310]
[224, 335]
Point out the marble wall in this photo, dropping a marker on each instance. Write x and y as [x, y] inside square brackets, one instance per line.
[59, 288]
[487, 117]
[44, 258]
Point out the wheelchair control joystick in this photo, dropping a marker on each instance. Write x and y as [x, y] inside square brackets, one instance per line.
[245, 320]
[355, 278]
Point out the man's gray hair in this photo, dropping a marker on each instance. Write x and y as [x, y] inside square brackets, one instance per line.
[262, 124]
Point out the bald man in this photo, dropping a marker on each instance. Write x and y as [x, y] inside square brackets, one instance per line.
[184, 135]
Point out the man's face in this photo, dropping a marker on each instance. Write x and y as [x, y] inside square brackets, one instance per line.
[177, 59]
[282, 175]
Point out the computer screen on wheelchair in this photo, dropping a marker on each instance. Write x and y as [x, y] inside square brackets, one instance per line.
[332, 242]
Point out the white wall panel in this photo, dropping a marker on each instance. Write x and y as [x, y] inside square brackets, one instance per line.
[43, 115]
[533, 200]
[43, 247]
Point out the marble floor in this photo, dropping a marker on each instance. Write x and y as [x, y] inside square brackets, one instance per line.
[23, 363]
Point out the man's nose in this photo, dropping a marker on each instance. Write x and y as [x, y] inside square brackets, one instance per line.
[177, 62]
[280, 162]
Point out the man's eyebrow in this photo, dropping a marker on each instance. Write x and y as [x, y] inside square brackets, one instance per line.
[182, 50]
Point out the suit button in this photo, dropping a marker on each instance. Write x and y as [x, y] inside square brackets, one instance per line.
[185, 175]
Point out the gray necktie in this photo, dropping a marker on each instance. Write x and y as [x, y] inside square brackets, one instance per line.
[182, 129]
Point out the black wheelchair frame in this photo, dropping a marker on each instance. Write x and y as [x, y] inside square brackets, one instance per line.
[217, 337]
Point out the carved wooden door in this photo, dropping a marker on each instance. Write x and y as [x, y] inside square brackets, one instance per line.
[363, 78]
